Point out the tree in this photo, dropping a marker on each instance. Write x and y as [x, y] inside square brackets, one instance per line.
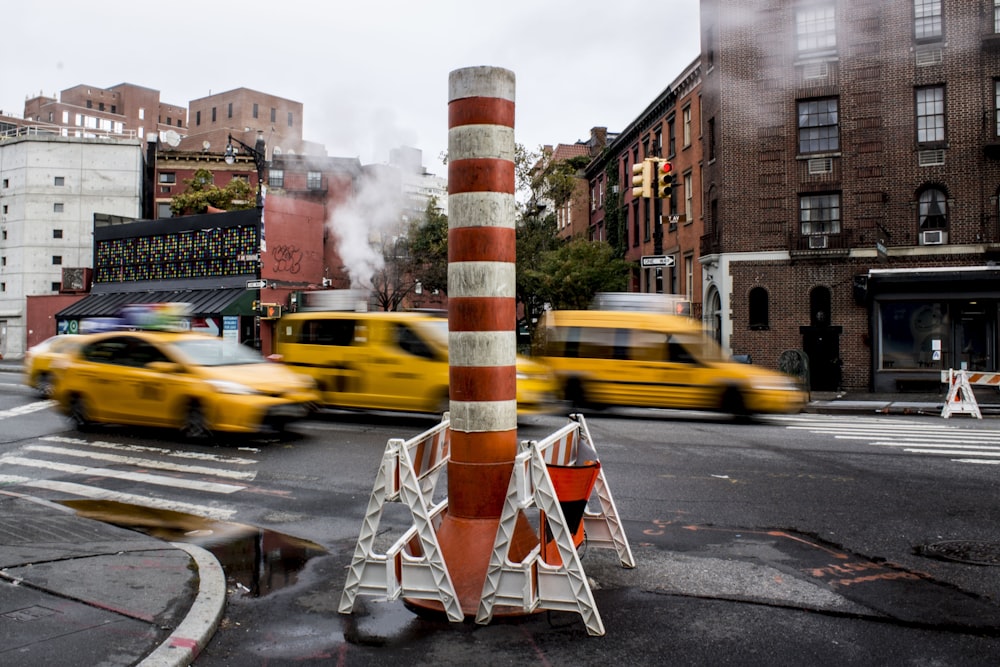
[394, 280]
[429, 248]
[569, 276]
[202, 192]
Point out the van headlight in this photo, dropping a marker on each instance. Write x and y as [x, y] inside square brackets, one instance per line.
[230, 387]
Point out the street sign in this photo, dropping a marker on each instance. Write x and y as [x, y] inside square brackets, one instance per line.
[256, 284]
[657, 260]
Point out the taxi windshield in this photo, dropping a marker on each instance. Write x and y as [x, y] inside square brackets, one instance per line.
[436, 331]
[216, 352]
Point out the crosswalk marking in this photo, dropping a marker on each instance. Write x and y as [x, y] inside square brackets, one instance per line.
[178, 453]
[26, 409]
[247, 475]
[146, 478]
[975, 447]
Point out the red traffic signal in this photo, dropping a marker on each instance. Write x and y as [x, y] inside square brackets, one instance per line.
[664, 179]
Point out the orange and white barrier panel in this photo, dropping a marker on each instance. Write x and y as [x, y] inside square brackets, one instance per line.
[960, 399]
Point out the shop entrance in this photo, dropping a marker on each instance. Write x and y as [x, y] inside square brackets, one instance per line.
[974, 336]
[822, 346]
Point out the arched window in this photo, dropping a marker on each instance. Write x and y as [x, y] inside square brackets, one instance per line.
[932, 209]
[759, 316]
[819, 307]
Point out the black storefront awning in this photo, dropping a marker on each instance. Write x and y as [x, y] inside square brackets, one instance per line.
[204, 302]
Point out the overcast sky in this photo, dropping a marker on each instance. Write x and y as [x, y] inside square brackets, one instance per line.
[371, 75]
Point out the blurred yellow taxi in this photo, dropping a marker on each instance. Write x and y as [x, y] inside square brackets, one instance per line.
[650, 359]
[389, 361]
[193, 382]
[43, 362]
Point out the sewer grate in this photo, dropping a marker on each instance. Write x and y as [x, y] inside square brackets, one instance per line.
[964, 551]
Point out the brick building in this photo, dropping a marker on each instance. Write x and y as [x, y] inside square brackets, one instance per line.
[851, 183]
[668, 128]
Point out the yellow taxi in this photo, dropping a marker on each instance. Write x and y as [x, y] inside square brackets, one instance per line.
[43, 362]
[194, 382]
[394, 361]
[651, 359]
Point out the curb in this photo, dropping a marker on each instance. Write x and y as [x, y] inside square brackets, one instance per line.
[193, 634]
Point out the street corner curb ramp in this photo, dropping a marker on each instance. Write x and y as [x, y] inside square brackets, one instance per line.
[549, 577]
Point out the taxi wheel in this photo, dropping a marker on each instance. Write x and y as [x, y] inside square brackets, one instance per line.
[195, 426]
[78, 412]
[575, 394]
[44, 385]
[443, 404]
[734, 404]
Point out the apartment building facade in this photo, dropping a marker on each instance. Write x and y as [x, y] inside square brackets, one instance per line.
[851, 181]
[668, 128]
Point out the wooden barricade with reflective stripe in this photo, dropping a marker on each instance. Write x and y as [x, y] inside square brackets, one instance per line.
[960, 399]
[408, 474]
[537, 583]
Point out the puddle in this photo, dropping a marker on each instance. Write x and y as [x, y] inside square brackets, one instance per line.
[256, 562]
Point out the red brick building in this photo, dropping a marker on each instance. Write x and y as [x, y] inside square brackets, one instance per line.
[851, 181]
[668, 128]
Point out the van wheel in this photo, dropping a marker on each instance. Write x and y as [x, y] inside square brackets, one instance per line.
[733, 403]
[78, 413]
[576, 396]
[195, 426]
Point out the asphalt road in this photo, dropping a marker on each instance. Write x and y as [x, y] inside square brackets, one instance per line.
[802, 539]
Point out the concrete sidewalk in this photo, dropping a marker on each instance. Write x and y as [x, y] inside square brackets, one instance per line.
[74, 591]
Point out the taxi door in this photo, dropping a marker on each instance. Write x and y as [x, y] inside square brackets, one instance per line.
[145, 394]
[406, 372]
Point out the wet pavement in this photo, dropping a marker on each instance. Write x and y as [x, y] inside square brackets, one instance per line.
[75, 588]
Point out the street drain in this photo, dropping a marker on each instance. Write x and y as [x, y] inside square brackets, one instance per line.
[256, 562]
[964, 551]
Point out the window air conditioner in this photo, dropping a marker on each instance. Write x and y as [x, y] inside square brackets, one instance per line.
[817, 242]
[932, 237]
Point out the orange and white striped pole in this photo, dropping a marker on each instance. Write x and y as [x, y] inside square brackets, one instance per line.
[481, 324]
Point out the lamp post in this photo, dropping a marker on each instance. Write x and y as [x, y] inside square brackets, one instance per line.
[258, 153]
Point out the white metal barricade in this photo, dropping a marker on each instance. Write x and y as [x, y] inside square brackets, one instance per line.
[960, 399]
[408, 474]
[533, 584]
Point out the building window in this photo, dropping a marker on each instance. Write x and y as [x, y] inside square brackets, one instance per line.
[818, 126]
[274, 114]
[759, 316]
[229, 110]
[197, 118]
[927, 19]
[816, 29]
[930, 114]
[55, 287]
[996, 16]
[90, 104]
[163, 210]
[57, 233]
[996, 104]
[671, 138]
[689, 277]
[57, 259]
[58, 207]
[59, 181]
[291, 122]
[5, 209]
[314, 180]
[6, 183]
[168, 177]
[688, 197]
[142, 113]
[711, 139]
[213, 114]
[255, 112]
[686, 129]
[819, 214]
[820, 307]
[932, 209]
[276, 178]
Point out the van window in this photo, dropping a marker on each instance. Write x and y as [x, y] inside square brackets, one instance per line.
[327, 332]
[678, 353]
[410, 342]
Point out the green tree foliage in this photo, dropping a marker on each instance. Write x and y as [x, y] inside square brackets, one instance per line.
[429, 248]
[202, 192]
[569, 276]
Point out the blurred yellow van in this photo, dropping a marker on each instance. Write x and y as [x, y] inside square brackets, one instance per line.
[388, 361]
[649, 359]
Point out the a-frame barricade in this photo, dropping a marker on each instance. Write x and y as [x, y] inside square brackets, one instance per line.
[540, 582]
[960, 399]
[408, 474]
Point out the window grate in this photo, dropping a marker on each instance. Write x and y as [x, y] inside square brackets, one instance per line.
[820, 165]
[931, 158]
[815, 71]
[929, 56]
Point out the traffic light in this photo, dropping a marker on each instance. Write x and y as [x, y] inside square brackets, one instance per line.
[664, 179]
[642, 179]
[269, 311]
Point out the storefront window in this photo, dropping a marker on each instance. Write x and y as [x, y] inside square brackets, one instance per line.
[914, 335]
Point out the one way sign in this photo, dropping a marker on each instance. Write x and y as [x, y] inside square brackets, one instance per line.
[657, 260]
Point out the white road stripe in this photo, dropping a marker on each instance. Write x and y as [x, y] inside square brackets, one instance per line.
[176, 482]
[157, 450]
[117, 459]
[131, 499]
[26, 409]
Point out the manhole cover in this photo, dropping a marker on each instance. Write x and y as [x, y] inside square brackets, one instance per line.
[964, 551]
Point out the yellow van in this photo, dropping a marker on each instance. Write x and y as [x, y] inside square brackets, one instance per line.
[388, 361]
[647, 359]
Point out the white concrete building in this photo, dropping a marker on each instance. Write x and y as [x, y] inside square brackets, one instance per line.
[51, 188]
